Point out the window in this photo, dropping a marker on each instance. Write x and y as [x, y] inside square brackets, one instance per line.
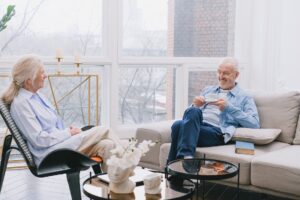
[137, 89]
[178, 28]
[146, 94]
[41, 26]
[77, 101]
[145, 27]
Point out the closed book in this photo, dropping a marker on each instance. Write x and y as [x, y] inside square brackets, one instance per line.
[242, 147]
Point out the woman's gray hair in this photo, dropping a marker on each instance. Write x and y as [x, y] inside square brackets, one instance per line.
[27, 67]
[232, 61]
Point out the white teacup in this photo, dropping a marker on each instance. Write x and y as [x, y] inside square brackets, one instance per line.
[211, 97]
[152, 183]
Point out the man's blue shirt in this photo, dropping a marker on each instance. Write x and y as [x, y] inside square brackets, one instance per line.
[240, 111]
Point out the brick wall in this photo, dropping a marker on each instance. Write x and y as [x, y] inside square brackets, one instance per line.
[203, 28]
[198, 80]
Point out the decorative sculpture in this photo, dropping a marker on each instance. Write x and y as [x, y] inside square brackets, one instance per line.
[122, 163]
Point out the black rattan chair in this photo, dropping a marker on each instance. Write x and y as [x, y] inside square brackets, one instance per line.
[62, 161]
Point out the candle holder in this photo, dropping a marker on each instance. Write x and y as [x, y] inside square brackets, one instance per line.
[78, 67]
[58, 70]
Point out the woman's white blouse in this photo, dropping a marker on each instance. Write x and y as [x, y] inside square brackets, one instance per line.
[42, 128]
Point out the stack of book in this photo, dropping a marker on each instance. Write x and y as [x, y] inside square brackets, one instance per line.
[242, 147]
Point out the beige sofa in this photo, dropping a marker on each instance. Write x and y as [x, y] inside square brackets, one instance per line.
[275, 167]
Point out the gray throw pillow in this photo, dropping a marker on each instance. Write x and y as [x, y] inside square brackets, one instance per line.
[257, 136]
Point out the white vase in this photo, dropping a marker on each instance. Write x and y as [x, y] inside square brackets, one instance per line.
[119, 179]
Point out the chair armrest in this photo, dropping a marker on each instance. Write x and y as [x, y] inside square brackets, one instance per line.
[63, 160]
[157, 131]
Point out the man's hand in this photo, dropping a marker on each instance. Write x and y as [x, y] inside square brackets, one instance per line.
[74, 130]
[221, 103]
[199, 101]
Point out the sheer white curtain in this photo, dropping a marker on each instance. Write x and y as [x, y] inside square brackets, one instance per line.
[288, 73]
[268, 43]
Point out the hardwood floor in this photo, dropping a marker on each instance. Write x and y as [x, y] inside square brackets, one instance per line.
[22, 185]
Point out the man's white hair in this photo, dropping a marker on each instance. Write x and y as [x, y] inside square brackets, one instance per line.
[232, 61]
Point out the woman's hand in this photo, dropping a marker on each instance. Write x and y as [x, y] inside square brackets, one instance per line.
[74, 130]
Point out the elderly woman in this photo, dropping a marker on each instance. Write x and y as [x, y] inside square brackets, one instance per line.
[42, 128]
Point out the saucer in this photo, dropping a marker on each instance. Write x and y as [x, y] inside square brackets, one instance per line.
[210, 100]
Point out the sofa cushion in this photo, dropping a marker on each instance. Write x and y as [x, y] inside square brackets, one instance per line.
[279, 170]
[279, 111]
[257, 136]
[227, 153]
[156, 132]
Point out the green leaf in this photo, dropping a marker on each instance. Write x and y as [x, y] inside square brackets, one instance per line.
[10, 8]
[10, 12]
[2, 27]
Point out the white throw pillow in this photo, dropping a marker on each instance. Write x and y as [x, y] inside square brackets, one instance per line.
[257, 136]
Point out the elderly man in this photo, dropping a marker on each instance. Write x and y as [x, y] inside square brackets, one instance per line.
[214, 115]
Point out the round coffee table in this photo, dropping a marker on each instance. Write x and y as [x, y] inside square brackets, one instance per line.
[203, 169]
[95, 188]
